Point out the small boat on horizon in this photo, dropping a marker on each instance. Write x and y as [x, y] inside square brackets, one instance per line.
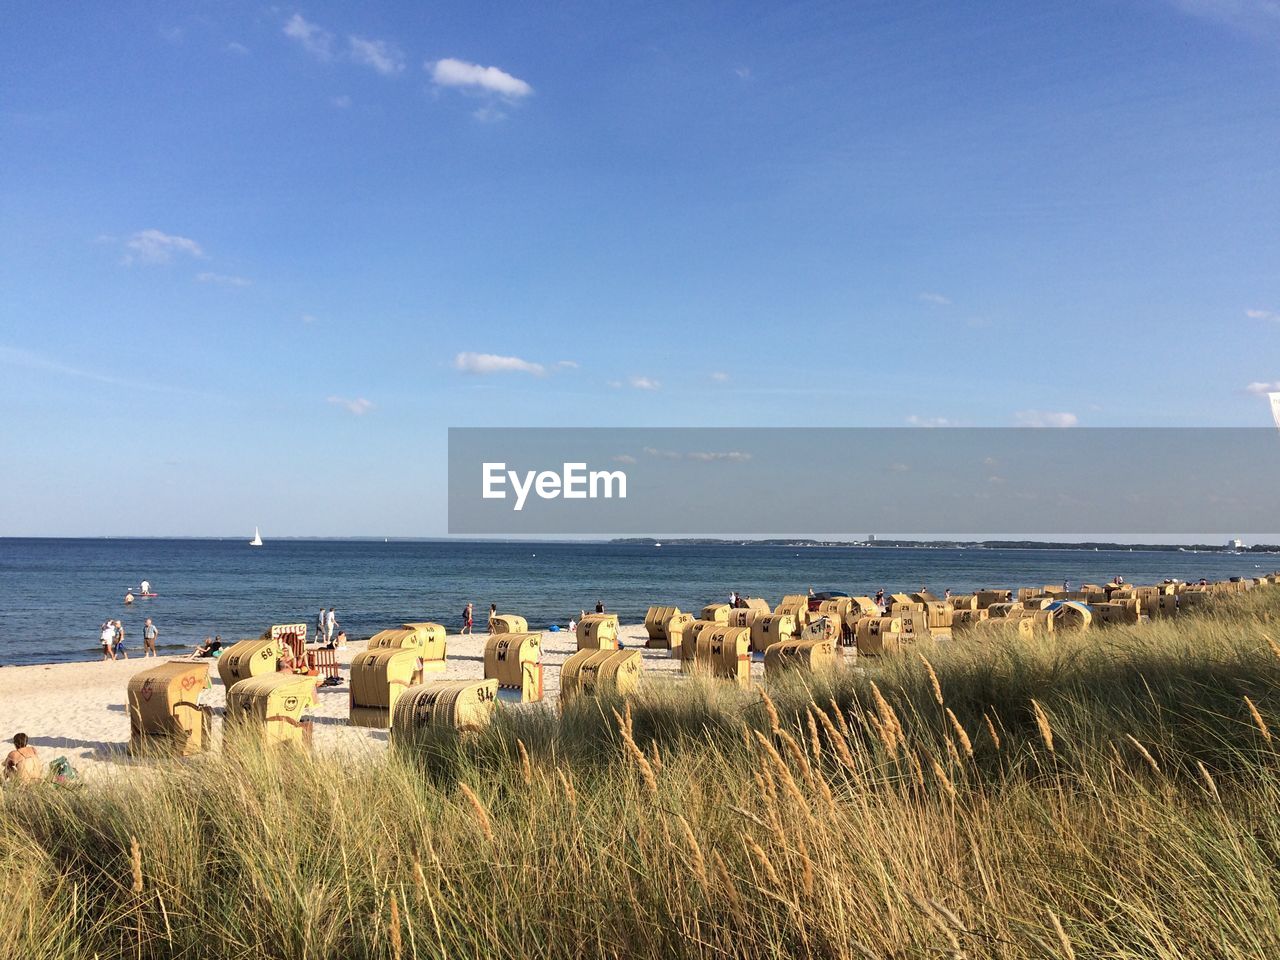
[257, 538]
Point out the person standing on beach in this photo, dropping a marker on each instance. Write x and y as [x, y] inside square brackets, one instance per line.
[149, 634]
[330, 622]
[493, 612]
[467, 618]
[320, 625]
[599, 606]
[119, 640]
[107, 638]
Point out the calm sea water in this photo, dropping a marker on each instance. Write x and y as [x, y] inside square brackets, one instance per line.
[56, 593]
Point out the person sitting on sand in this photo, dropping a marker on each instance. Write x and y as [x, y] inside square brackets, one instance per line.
[22, 763]
[210, 647]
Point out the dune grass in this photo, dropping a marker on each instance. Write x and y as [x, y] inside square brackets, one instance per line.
[1105, 794]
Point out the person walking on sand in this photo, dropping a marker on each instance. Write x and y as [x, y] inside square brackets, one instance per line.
[22, 763]
[320, 625]
[467, 618]
[493, 612]
[149, 635]
[330, 624]
[107, 637]
[119, 640]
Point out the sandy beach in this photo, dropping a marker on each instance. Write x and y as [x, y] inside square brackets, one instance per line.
[77, 710]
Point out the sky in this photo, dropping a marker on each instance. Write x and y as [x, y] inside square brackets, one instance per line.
[256, 260]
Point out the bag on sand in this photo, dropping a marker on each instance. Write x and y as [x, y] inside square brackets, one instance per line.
[61, 770]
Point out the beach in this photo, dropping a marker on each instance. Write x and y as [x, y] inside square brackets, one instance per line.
[78, 710]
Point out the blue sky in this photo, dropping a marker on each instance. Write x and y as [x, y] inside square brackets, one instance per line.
[255, 260]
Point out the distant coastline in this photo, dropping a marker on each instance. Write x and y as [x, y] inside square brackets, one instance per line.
[1090, 545]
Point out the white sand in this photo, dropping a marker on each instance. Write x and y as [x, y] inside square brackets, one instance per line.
[77, 710]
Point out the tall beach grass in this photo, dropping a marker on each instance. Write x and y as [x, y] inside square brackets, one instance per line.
[1102, 794]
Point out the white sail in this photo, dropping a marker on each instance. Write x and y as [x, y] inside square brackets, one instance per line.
[1275, 408]
[257, 538]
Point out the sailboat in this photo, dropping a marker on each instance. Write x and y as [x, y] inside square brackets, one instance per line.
[257, 538]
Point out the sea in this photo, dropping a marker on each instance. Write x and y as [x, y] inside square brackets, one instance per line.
[55, 593]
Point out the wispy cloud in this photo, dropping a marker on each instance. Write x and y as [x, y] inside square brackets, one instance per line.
[307, 318]
[567, 364]
[313, 38]
[699, 456]
[29, 360]
[719, 376]
[382, 56]
[223, 279]
[916, 421]
[1260, 18]
[485, 363]
[1261, 389]
[239, 49]
[341, 102]
[624, 458]
[450, 72]
[156, 246]
[935, 298]
[1256, 314]
[1045, 418]
[357, 406]
[644, 383]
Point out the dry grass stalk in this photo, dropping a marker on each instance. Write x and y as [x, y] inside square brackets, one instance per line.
[1068, 951]
[1146, 754]
[770, 711]
[766, 865]
[526, 768]
[397, 946]
[567, 783]
[943, 779]
[135, 862]
[482, 814]
[961, 735]
[1207, 779]
[837, 741]
[991, 730]
[698, 862]
[1042, 722]
[1257, 720]
[815, 743]
[933, 679]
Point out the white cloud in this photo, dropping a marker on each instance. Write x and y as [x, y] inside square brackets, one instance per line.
[484, 363]
[719, 376]
[1044, 418]
[239, 49]
[314, 39]
[744, 73]
[644, 383]
[382, 56]
[307, 318]
[1262, 315]
[224, 279]
[357, 406]
[341, 102]
[156, 246]
[1261, 389]
[937, 298]
[916, 421]
[624, 458]
[567, 364]
[459, 73]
